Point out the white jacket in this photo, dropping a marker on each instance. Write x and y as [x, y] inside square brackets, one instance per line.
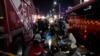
[73, 40]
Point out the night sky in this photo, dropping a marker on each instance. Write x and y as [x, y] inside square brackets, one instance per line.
[45, 6]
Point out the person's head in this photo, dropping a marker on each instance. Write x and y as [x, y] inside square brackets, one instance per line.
[35, 43]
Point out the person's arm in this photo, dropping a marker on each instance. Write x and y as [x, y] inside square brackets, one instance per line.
[39, 53]
[41, 49]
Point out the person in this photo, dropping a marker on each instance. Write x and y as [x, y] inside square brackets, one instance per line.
[65, 27]
[38, 36]
[72, 39]
[64, 42]
[36, 49]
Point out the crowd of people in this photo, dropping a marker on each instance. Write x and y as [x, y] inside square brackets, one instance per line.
[51, 37]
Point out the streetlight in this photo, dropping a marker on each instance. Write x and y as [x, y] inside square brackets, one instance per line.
[59, 10]
[59, 6]
[54, 2]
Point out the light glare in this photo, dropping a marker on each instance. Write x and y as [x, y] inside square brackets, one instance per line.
[86, 0]
[55, 2]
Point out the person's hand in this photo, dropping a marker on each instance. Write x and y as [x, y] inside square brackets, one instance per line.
[45, 51]
[38, 53]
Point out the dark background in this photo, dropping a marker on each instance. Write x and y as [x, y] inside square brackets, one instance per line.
[44, 6]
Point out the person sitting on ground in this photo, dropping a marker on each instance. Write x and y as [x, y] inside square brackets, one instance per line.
[68, 40]
[36, 49]
[72, 39]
